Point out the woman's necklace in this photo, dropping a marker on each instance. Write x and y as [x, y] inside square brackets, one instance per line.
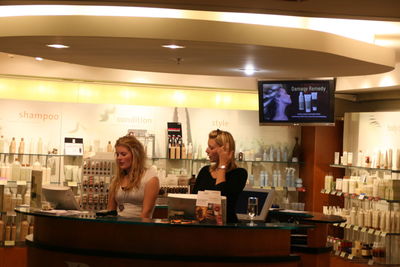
[121, 206]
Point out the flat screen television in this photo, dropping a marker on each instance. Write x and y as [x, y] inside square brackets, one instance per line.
[297, 102]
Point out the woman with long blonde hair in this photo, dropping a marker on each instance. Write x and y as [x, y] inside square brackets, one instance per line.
[134, 189]
[223, 174]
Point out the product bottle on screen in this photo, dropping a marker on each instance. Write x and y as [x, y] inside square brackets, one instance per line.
[314, 101]
[301, 101]
[307, 98]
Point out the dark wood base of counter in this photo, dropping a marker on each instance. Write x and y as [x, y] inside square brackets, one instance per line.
[13, 256]
[161, 239]
[56, 256]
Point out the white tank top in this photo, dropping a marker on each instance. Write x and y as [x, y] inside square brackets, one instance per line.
[132, 200]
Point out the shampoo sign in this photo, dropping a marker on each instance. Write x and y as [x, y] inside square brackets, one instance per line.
[37, 116]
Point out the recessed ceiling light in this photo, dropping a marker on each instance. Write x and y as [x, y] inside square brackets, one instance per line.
[173, 46]
[57, 46]
[39, 58]
[249, 70]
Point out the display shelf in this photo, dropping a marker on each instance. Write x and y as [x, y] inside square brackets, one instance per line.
[359, 261]
[363, 229]
[283, 188]
[357, 196]
[237, 161]
[40, 155]
[362, 168]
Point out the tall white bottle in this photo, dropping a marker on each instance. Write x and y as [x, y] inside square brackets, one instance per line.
[13, 146]
[301, 101]
[39, 146]
[1, 144]
[21, 147]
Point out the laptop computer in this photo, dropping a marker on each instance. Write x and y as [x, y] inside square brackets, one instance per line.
[265, 199]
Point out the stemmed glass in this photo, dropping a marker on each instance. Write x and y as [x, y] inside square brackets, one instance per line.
[252, 208]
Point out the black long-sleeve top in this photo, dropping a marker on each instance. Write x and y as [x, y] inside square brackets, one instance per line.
[235, 181]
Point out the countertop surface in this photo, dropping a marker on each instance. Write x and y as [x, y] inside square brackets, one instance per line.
[91, 217]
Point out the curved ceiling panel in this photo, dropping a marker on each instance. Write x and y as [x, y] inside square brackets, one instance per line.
[212, 48]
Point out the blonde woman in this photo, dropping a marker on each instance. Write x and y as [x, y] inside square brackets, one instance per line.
[134, 189]
[223, 174]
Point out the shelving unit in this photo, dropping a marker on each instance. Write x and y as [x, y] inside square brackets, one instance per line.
[352, 232]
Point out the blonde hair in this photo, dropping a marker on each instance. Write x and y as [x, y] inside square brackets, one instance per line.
[222, 138]
[138, 163]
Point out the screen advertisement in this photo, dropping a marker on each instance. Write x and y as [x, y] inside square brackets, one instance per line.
[309, 101]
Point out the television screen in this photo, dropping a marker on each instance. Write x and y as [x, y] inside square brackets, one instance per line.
[296, 102]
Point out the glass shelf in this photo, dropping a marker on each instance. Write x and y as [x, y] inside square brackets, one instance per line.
[363, 229]
[362, 168]
[39, 155]
[356, 196]
[237, 161]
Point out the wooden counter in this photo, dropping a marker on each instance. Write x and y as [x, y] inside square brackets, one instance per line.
[84, 240]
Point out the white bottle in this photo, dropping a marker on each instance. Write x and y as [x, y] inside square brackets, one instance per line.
[307, 99]
[1, 144]
[39, 146]
[275, 179]
[190, 151]
[279, 178]
[7, 200]
[13, 146]
[21, 147]
[27, 197]
[285, 154]
[301, 101]
[271, 154]
[16, 171]
[265, 155]
[278, 154]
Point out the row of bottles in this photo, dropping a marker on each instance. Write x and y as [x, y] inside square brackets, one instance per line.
[276, 179]
[385, 221]
[11, 230]
[375, 251]
[178, 150]
[369, 185]
[12, 199]
[21, 147]
[380, 159]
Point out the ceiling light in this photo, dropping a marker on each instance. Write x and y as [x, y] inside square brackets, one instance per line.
[39, 58]
[57, 46]
[249, 70]
[173, 46]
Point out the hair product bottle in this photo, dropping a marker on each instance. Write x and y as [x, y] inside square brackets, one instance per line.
[21, 147]
[8, 231]
[24, 229]
[1, 144]
[16, 170]
[7, 200]
[13, 146]
[109, 147]
[184, 154]
[13, 231]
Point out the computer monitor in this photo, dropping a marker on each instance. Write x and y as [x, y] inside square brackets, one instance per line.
[265, 199]
[61, 196]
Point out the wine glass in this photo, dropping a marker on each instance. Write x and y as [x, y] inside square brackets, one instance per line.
[252, 208]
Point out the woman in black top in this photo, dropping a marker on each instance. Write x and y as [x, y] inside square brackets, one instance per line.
[223, 174]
